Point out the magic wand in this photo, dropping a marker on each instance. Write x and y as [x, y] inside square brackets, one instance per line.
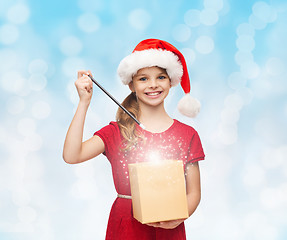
[111, 97]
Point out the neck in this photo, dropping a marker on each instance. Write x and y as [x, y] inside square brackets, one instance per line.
[155, 119]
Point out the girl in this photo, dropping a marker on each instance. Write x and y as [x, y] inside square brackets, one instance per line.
[150, 71]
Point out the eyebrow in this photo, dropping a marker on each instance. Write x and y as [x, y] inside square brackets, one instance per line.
[143, 74]
[137, 75]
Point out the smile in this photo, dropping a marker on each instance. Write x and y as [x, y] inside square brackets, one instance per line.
[153, 93]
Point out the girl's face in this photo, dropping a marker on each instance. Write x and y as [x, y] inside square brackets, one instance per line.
[151, 85]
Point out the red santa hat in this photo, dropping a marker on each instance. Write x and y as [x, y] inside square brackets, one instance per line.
[155, 52]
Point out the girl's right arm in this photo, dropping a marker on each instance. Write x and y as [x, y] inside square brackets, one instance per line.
[75, 150]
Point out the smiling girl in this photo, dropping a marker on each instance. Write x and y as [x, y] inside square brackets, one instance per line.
[150, 71]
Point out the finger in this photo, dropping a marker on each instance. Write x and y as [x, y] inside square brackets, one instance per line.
[83, 72]
[84, 79]
[82, 85]
[89, 88]
[89, 73]
[152, 224]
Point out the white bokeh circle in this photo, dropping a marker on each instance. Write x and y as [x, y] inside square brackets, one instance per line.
[89, 22]
[250, 70]
[192, 18]
[275, 66]
[204, 44]
[15, 105]
[208, 17]
[38, 66]
[18, 13]
[139, 19]
[245, 29]
[41, 109]
[71, 45]
[37, 82]
[9, 34]
[189, 55]
[216, 5]
[181, 33]
[245, 43]
[265, 12]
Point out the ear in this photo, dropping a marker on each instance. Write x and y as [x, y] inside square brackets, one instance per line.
[131, 86]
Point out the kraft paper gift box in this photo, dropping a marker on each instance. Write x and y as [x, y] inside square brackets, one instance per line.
[158, 191]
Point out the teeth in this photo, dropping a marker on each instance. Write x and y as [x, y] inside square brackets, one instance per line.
[153, 94]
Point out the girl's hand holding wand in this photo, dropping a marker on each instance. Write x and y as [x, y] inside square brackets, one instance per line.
[84, 86]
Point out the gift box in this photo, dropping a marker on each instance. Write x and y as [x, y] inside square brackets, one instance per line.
[158, 191]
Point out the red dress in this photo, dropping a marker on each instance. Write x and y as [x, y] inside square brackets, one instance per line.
[179, 142]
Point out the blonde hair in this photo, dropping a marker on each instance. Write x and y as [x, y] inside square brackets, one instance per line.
[126, 124]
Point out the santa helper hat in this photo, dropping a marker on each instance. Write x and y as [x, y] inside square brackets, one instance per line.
[155, 52]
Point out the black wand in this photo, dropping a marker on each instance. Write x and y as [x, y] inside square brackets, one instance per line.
[111, 97]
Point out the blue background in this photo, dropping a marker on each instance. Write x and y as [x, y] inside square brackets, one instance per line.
[236, 55]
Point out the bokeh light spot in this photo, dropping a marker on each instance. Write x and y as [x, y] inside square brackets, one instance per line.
[89, 22]
[208, 17]
[227, 133]
[37, 82]
[250, 70]
[8, 34]
[12, 82]
[192, 18]
[38, 66]
[139, 19]
[242, 57]
[245, 29]
[15, 105]
[189, 55]
[26, 126]
[18, 13]
[70, 64]
[181, 33]
[234, 101]
[71, 45]
[216, 5]
[90, 6]
[236, 80]
[229, 116]
[41, 110]
[264, 12]
[245, 43]
[256, 22]
[246, 95]
[12, 60]
[204, 44]
[275, 66]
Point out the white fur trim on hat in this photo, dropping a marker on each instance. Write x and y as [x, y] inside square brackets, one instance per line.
[189, 106]
[129, 66]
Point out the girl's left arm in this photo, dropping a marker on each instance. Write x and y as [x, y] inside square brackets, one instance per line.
[193, 188]
[193, 193]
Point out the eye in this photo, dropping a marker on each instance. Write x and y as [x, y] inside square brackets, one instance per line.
[143, 79]
[162, 77]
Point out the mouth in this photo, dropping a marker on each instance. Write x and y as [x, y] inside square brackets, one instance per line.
[153, 93]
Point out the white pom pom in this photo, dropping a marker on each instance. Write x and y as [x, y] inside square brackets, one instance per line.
[189, 106]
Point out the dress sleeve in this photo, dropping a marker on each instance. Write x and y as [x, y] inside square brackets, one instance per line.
[195, 149]
[109, 135]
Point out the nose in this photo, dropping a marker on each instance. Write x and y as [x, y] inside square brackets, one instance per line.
[153, 83]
